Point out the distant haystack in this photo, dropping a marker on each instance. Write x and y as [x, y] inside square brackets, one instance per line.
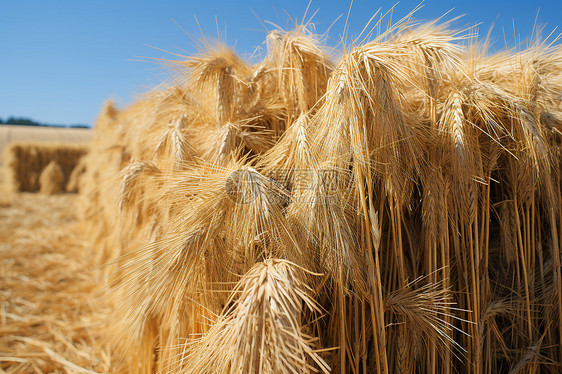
[26, 161]
[42, 134]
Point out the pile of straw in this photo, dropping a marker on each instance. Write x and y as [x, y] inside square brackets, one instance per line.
[396, 212]
[26, 161]
[51, 315]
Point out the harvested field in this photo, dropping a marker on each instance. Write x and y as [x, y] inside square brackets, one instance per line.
[51, 314]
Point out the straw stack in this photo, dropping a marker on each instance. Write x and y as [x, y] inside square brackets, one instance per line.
[26, 161]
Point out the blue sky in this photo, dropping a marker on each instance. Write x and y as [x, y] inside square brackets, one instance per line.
[60, 60]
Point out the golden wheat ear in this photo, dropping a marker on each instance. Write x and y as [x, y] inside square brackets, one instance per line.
[262, 330]
[174, 146]
[220, 75]
[302, 68]
[291, 152]
[131, 182]
[233, 141]
[428, 309]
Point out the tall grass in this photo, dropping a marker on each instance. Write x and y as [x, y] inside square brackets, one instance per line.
[396, 212]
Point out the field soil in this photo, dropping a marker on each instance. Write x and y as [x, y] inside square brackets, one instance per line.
[51, 308]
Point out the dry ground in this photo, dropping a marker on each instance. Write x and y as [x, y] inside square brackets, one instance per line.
[50, 311]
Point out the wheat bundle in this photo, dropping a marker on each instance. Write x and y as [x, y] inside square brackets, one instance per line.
[51, 180]
[26, 161]
[75, 177]
[396, 212]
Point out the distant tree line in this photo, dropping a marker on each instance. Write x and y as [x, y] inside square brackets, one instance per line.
[21, 121]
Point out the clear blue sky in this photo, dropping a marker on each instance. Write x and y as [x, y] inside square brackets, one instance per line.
[60, 60]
